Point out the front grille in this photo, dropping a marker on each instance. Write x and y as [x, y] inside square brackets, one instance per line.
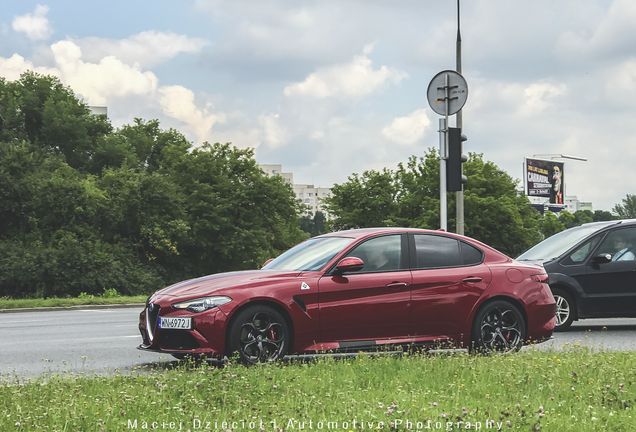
[177, 340]
[151, 319]
[144, 336]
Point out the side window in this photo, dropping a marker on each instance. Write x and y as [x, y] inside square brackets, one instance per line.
[432, 251]
[620, 244]
[380, 254]
[580, 255]
[470, 254]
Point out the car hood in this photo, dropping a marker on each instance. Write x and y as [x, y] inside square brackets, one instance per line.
[540, 262]
[212, 284]
[534, 262]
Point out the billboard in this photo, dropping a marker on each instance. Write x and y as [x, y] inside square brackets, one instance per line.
[544, 178]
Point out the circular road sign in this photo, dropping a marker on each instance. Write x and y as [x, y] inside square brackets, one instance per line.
[457, 92]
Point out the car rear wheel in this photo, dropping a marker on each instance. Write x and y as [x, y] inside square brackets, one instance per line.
[564, 309]
[259, 334]
[498, 327]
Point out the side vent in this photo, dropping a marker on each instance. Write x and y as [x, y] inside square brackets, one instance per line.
[300, 303]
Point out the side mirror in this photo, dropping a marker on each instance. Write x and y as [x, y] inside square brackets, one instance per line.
[349, 264]
[602, 258]
[268, 261]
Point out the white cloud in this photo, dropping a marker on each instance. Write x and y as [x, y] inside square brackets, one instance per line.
[146, 49]
[98, 82]
[178, 102]
[408, 130]
[357, 78]
[110, 80]
[273, 132]
[11, 68]
[540, 96]
[620, 84]
[36, 25]
[608, 33]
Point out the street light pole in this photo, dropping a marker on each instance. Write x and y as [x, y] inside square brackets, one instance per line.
[459, 195]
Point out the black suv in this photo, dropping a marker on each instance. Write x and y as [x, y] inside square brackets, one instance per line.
[592, 270]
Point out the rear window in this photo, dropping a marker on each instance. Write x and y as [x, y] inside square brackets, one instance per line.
[434, 251]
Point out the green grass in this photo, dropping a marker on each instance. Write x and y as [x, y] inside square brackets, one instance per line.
[65, 302]
[577, 390]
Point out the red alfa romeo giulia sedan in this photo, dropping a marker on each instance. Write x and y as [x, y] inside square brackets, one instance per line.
[356, 290]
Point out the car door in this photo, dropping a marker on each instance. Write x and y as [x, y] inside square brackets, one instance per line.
[610, 287]
[448, 278]
[372, 303]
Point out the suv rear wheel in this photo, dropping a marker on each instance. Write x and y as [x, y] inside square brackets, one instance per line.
[564, 309]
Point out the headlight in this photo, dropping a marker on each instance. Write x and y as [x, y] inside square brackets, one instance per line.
[202, 304]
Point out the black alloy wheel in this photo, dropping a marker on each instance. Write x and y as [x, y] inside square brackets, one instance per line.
[259, 334]
[498, 327]
[564, 309]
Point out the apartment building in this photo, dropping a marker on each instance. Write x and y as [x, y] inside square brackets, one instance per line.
[308, 194]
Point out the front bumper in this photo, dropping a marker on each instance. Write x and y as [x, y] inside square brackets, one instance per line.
[207, 337]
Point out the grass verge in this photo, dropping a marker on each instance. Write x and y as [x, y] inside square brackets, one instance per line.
[65, 302]
[577, 390]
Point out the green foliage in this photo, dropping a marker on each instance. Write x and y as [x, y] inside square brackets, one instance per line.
[110, 293]
[10, 303]
[550, 224]
[85, 207]
[494, 212]
[602, 215]
[364, 201]
[626, 210]
[315, 225]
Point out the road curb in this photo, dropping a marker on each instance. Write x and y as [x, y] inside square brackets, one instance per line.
[77, 307]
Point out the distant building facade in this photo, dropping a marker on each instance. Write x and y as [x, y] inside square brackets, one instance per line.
[310, 195]
[572, 204]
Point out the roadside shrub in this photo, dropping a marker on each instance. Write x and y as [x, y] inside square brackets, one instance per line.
[110, 293]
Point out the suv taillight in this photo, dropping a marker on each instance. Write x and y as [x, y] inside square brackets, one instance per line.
[542, 278]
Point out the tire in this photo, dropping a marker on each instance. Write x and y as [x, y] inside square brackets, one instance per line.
[258, 334]
[565, 308]
[498, 327]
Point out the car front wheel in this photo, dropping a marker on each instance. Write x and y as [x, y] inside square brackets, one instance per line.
[259, 334]
[498, 327]
[564, 309]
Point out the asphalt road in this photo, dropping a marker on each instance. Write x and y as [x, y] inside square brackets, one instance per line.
[75, 341]
[104, 341]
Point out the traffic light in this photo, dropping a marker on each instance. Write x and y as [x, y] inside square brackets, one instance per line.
[454, 177]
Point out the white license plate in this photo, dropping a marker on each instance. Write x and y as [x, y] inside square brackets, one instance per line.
[181, 323]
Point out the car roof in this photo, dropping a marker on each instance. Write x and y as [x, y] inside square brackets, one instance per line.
[605, 224]
[358, 233]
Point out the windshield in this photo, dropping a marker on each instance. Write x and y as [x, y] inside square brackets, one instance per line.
[310, 255]
[559, 243]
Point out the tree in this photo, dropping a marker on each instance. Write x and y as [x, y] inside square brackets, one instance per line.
[494, 212]
[364, 201]
[567, 219]
[315, 225]
[85, 207]
[603, 215]
[550, 224]
[626, 210]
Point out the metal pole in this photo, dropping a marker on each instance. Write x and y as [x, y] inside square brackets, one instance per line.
[443, 205]
[459, 197]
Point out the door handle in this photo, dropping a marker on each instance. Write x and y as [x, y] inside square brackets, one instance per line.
[397, 284]
[472, 279]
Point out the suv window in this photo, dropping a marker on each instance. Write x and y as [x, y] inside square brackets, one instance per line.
[380, 253]
[620, 244]
[581, 254]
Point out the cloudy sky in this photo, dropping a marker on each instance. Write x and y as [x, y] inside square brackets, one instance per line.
[335, 87]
